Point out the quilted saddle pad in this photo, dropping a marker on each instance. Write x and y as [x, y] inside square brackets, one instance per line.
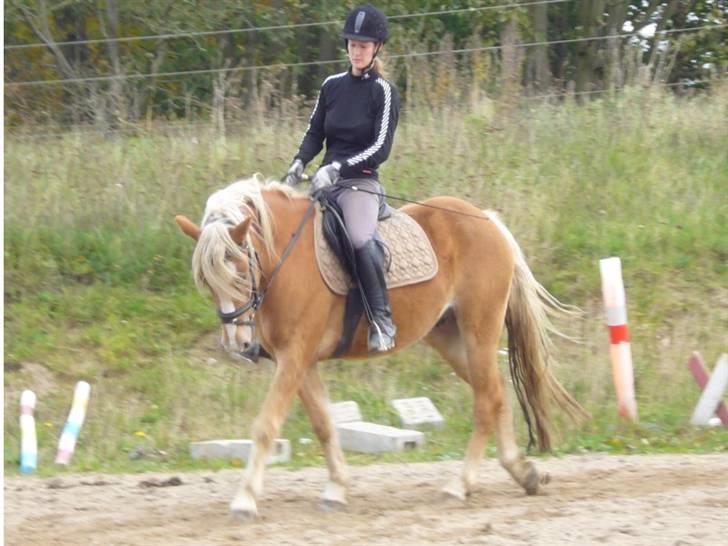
[413, 259]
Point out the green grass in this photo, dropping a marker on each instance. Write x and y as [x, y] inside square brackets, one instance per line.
[97, 282]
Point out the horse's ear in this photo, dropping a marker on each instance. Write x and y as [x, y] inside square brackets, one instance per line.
[188, 227]
[238, 232]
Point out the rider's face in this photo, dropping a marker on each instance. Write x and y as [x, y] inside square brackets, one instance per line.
[360, 55]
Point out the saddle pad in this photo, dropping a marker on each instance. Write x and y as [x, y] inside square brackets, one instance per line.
[413, 259]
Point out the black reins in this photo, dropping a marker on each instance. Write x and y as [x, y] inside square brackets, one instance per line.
[405, 200]
[257, 296]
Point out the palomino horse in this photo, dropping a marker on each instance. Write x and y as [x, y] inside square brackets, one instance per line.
[244, 250]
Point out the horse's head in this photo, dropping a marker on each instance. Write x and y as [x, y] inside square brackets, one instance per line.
[225, 263]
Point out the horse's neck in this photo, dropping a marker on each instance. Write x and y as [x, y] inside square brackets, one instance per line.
[286, 216]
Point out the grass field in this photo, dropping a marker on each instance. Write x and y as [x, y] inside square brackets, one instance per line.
[97, 282]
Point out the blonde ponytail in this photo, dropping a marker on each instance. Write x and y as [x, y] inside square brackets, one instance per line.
[379, 66]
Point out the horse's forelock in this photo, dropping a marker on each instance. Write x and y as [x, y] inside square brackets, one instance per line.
[213, 262]
[242, 199]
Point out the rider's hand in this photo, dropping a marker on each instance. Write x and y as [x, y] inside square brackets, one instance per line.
[326, 176]
[294, 174]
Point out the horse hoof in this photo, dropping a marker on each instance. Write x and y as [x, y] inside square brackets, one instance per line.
[455, 490]
[244, 509]
[330, 505]
[531, 483]
[244, 516]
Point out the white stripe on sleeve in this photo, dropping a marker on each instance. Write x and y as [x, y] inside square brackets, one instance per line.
[374, 148]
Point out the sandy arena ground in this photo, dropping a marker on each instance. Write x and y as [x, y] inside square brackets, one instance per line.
[674, 500]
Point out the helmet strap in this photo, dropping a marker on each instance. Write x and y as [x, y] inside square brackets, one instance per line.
[374, 57]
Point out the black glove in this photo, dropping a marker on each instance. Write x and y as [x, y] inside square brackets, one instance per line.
[327, 175]
[295, 173]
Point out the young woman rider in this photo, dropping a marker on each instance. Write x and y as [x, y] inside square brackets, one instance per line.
[356, 115]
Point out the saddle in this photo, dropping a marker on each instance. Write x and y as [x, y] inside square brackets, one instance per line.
[410, 257]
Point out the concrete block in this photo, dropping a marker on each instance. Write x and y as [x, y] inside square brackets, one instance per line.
[373, 438]
[238, 449]
[345, 412]
[418, 412]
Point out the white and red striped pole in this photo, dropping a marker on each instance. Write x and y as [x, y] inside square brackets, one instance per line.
[620, 351]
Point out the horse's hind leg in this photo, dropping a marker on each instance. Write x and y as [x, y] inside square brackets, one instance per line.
[489, 400]
[314, 398]
[509, 454]
[478, 368]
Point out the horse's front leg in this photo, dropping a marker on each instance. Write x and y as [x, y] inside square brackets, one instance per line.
[266, 427]
[315, 401]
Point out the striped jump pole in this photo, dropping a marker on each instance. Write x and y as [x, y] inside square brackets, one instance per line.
[620, 351]
[713, 387]
[28, 438]
[67, 443]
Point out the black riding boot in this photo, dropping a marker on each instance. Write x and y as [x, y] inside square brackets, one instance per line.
[370, 266]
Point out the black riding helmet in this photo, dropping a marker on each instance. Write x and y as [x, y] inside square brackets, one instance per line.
[367, 24]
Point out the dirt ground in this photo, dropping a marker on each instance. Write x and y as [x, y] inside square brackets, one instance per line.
[674, 500]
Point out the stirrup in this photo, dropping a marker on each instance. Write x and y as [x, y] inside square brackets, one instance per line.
[379, 341]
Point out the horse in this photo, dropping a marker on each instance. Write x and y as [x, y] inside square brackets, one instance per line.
[254, 253]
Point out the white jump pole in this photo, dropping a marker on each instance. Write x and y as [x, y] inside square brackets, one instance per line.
[71, 430]
[712, 394]
[620, 351]
[28, 438]
[701, 375]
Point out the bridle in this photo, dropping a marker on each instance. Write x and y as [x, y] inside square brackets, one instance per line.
[257, 295]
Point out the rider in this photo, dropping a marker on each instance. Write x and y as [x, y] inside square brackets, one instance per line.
[356, 114]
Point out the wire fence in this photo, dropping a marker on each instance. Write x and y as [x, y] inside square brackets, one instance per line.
[338, 22]
[86, 101]
[211, 71]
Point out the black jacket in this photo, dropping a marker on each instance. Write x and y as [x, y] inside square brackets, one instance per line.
[357, 116]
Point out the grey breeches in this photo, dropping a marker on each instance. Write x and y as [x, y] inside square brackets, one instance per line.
[360, 209]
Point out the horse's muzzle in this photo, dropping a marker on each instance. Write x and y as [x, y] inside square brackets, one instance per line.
[251, 351]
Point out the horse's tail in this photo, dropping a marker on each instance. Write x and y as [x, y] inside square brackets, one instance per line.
[529, 347]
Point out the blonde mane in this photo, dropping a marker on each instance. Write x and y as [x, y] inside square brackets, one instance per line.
[213, 261]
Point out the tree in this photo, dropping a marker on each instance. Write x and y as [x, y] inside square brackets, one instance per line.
[200, 60]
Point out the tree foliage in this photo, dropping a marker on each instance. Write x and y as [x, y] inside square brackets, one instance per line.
[244, 62]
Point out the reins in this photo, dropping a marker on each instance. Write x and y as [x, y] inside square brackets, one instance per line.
[296, 235]
[258, 296]
[405, 200]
